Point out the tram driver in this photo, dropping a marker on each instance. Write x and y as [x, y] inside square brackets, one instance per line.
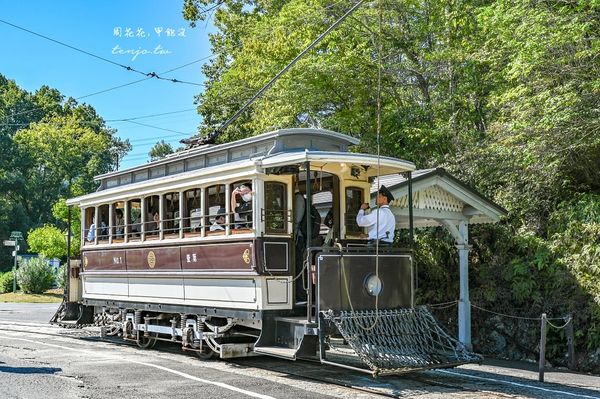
[380, 223]
[242, 208]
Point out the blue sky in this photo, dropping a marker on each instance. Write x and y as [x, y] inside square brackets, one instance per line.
[98, 27]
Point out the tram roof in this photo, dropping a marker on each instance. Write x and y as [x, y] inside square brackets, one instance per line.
[271, 142]
[262, 153]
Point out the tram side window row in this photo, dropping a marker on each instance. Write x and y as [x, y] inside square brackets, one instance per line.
[193, 212]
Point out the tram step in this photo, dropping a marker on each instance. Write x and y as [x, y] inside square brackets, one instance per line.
[277, 351]
[288, 337]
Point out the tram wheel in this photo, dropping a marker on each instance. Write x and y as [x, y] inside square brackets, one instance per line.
[206, 353]
[146, 342]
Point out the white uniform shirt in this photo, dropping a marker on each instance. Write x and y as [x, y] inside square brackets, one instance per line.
[387, 223]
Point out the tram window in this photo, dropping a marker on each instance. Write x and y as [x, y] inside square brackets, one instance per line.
[89, 231]
[133, 227]
[152, 220]
[354, 198]
[241, 204]
[215, 203]
[118, 226]
[192, 220]
[275, 212]
[170, 213]
[102, 225]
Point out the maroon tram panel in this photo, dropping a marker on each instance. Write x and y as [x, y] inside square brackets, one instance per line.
[229, 257]
[166, 258]
[104, 260]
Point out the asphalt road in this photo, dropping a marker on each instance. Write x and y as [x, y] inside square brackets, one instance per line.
[42, 361]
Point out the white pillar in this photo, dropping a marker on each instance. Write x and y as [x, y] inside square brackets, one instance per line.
[181, 211]
[161, 216]
[464, 304]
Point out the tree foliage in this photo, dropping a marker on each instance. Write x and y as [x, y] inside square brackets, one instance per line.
[160, 150]
[504, 94]
[50, 149]
[48, 241]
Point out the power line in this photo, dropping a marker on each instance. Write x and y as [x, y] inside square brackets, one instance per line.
[149, 116]
[107, 90]
[127, 67]
[159, 128]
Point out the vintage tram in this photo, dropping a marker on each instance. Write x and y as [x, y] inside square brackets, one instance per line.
[215, 248]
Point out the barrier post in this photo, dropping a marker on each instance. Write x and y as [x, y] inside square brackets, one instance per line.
[571, 342]
[542, 348]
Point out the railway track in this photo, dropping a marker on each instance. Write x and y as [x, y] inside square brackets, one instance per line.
[392, 387]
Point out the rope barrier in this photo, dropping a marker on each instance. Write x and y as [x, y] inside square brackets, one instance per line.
[569, 319]
[517, 317]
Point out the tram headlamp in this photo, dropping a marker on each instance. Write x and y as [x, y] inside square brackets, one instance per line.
[373, 284]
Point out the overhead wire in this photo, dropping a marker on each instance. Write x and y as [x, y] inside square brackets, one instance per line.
[126, 67]
[116, 87]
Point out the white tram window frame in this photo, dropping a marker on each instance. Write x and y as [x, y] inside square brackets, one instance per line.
[239, 224]
[102, 227]
[215, 198]
[151, 226]
[192, 210]
[170, 216]
[88, 215]
[117, 228]
[351, 210]
[133, 222]
[283, 208]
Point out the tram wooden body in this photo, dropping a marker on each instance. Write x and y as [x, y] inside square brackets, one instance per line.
[164, 271]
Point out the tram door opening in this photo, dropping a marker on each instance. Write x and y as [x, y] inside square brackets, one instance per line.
[324, 216]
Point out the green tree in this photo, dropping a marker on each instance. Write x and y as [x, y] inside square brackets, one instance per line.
[48, 241]
[160, 150]
[44, 154]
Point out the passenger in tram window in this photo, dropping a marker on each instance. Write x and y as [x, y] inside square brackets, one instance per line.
[119, 223]
[156, 222]
[92, 231]
[103, 230]
[219, 223]
[243, 207]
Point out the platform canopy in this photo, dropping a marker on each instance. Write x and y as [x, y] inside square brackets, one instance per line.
[439, 199]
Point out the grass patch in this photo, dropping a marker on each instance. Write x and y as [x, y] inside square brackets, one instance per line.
[50, 296]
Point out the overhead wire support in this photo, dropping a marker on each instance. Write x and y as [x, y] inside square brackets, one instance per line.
[210, 138]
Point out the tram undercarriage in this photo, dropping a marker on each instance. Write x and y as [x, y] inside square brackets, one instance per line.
[361, 317]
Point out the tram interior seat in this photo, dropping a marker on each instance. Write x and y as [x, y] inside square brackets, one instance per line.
[195, 219]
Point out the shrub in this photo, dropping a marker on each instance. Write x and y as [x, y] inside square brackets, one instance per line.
[6, 282]
[35, 276]
[61, 278]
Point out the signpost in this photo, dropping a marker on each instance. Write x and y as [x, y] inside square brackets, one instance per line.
[15, 236]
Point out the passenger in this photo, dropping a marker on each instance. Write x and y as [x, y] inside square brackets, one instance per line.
[243, 208]
[328, 221]
[154, 224]
[92, 231]
[119, 223]
[384, 231]
[219, 223]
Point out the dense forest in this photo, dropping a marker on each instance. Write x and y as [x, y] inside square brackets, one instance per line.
[504, 94]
